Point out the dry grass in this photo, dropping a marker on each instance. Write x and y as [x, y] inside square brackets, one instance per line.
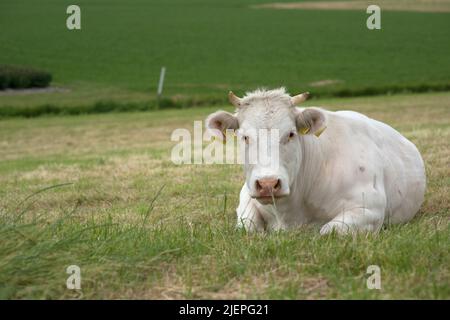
[189, 249]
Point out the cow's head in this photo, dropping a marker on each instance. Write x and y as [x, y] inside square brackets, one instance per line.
[276, 112]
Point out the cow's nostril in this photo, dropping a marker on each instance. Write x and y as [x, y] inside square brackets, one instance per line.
[277, 186]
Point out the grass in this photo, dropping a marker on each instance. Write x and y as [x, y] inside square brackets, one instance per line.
[141, 227]
[210, 47]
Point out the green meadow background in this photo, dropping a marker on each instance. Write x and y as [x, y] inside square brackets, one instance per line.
[90, 183]
[210, 47]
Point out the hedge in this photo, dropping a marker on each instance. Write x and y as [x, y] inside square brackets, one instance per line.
[16, 77]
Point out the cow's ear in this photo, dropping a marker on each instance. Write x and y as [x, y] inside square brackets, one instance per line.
[310, 121]
[218, 122]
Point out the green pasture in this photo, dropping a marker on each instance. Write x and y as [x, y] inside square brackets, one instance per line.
[91, 184]
[210, 47]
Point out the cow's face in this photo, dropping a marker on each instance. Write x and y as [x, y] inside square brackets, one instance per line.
[266, 122]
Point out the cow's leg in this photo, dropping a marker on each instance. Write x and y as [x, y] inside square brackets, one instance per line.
[366, 216]
[248, 215]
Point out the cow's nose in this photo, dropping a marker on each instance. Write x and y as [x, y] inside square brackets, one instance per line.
[268, 186]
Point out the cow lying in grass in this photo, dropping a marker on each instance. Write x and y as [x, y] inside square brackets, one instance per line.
[340, 169]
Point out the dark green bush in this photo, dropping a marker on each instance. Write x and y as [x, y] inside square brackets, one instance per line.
[16, 77]
[3, 81]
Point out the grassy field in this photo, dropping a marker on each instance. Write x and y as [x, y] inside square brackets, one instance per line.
[209, 47]
[141, 227]
[99, 191]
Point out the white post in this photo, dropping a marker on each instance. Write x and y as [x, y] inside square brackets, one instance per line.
[161, 83]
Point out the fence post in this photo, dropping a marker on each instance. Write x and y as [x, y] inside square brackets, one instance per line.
[160, 85]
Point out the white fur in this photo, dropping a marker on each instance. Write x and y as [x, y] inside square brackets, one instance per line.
[359, 174]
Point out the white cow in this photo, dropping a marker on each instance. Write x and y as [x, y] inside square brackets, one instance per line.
[340, 169]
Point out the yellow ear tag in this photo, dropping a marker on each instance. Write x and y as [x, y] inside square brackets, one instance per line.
[319, 132]
[304, 130]
[224, 133]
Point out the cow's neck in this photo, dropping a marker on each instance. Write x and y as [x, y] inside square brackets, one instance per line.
[312, 162]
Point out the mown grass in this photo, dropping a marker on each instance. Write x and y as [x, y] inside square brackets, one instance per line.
[141, 227]
[210, 47]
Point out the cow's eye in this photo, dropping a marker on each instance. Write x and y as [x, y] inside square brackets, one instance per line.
[246, 139]
[291, 135]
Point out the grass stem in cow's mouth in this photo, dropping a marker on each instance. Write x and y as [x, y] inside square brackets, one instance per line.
[269, 199]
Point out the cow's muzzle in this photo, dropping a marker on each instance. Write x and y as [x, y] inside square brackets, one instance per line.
[268, 189]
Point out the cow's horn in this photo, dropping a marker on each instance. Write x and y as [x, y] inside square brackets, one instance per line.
[295, 100]
[236, 101]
